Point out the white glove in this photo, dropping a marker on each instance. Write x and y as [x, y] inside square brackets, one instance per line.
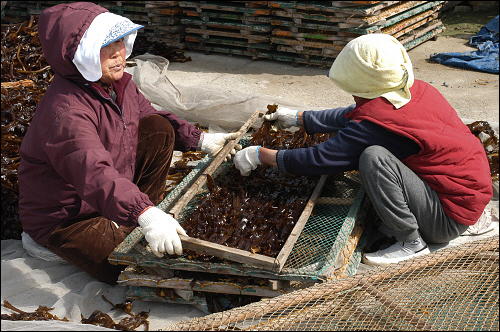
[247, 160]
[284, 117]
[213, 143]
[160, 230]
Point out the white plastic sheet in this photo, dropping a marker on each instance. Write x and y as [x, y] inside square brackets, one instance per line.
[29, 282]
[206, 105]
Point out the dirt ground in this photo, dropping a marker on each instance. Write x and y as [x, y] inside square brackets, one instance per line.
[474, 94]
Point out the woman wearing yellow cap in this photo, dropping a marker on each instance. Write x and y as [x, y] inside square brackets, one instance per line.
[426, 174]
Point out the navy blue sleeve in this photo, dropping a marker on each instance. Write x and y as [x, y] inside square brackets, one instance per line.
[326, 121]
[341, 152]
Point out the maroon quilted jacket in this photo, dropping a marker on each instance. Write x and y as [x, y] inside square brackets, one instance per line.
[78, 156]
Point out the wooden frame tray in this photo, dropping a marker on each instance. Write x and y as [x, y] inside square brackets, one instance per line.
[234, 254]
[271, 264]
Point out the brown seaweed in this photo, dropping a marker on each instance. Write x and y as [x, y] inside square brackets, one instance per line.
[42, 313]
[131, 323]
[100, 318]
[180, 169]
[25, 78]
[483, 131]
[97, 317]
[126, 307]
[255, 213]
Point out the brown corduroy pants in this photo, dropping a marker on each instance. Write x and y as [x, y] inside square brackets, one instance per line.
[87, 243]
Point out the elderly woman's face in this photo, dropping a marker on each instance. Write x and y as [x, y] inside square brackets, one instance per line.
[113, 61]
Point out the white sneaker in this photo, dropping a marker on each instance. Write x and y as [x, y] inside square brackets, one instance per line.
[398, 252]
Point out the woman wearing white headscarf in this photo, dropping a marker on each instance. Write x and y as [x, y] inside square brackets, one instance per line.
[426, 174]
[95, 158]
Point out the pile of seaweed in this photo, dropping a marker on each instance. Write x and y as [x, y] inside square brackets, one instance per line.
[489, 139]
[25, 78]
[98, 318]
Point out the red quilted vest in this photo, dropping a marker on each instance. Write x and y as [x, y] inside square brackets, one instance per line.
[452, 160]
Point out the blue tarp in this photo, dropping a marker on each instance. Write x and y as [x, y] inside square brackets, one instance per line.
[486, 56]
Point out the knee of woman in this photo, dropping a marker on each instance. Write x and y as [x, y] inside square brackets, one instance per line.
[155, 124]
[369, 156]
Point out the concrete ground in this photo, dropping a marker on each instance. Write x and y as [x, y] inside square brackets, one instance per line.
[474, 94]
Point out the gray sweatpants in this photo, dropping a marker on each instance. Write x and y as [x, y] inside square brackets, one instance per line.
[406, 204]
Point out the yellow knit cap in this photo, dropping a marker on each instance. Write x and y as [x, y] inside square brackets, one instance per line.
[372, 66]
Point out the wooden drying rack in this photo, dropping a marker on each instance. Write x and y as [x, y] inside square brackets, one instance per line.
[274, 265]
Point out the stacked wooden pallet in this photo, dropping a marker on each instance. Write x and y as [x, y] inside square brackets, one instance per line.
[20, 11]
[304, 32]
[411, 22]
[315, 33]
[233, 27]
[161, 19]
[300, 32]
[307, 32]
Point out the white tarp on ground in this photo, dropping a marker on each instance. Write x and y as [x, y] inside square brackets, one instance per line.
[29, 282]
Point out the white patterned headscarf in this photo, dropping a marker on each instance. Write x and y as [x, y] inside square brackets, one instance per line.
[104, 29]
[372, 66]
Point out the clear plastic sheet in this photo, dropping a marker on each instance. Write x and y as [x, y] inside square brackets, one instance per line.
[205, 105]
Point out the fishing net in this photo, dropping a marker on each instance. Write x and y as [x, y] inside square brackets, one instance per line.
[451, 289]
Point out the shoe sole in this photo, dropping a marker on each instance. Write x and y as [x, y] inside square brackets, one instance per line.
[366, 261]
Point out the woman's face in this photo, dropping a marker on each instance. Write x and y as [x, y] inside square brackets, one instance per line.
[113, 61]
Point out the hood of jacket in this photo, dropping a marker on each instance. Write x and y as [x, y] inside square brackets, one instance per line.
[60, 29]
